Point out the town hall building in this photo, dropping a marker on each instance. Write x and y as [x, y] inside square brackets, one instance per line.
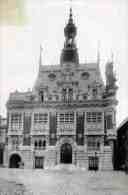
[69, 117]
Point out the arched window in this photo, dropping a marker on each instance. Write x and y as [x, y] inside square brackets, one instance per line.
[64, 94]
[40, 143]
[44, 144]
[36, 144]
[41, 96]
[70, 94]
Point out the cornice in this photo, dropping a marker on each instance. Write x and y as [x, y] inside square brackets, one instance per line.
[62, 105]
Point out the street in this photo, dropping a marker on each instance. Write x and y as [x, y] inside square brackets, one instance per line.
[63, 181]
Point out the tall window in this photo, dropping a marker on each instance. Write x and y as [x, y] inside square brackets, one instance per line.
[93, 143]
[70, 94]
[40, 145]
[42, 96]
[95, 117]
[67, 117]
[26, 140]
[94, 92]
[40, 118]
[16, 121]
[108, 122]
[64, 92]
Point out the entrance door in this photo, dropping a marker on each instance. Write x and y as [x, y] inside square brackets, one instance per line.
[15, 160]
[39, 162]
[66, 153]
[93, 163]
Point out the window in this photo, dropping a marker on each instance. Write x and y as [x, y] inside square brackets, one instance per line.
[93, 143]
[85, 75]
[40, 145]
[57, 97]
[70, 94]
[41, 94]
[94, 92]
[64, 94]
[16, 121]
[50, 97]
[40, 118]
[85, 96]
[108, 122]
[94, 117]
[26, 140]
[52, 76]
[67, 117]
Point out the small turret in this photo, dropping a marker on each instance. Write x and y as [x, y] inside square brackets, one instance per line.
[111, 86]
[110, 76]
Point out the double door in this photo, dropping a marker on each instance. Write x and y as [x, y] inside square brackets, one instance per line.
[39, 162]
[93, 163]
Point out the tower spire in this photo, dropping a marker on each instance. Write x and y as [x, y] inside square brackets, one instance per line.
[69, 52]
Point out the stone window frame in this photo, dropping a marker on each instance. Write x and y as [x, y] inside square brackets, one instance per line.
[40, 144]
[94, 117]
[40, 118]
[67, 117]
[93, 142]
[16, 121]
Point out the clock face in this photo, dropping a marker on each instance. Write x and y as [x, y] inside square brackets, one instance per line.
[85, 75]
[52, 76]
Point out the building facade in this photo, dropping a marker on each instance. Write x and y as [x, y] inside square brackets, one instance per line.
[68, 117]
[3, 139]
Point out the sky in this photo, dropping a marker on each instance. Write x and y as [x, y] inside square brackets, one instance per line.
[25, 24]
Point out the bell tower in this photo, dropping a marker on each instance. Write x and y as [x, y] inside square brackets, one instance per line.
[69, 53]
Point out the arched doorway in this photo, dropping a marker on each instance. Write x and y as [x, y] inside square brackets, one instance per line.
[66, 153]
[15, 160]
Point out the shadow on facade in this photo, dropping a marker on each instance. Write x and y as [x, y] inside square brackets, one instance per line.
[121, 153]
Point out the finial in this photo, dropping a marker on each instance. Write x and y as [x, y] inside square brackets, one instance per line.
[40, 58]
[98, 52]
[70, 16]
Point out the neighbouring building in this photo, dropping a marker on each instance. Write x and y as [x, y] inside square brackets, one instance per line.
[121, 153]
[68, 117]
[3, 139]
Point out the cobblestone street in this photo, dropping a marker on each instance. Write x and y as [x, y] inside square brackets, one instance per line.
[62, 182]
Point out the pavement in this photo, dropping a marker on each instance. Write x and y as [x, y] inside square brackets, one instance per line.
[63, 180]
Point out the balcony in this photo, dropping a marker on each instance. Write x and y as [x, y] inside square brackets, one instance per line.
[40, 132]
